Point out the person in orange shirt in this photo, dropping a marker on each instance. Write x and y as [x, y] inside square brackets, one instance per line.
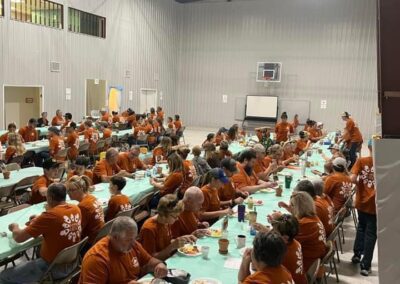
[118, 202]
[315, 134]
[60, 228]
[220, 135]
[338, 186]
[264, 137]
[58, 120]
[324, 201]
[105, 116]
[81, 168]
[362, 174]
[246, 180]
[67, 121]
[152, 114]
[188, 222]
[189, 171]
[289, 156]
[311, 234]
[131, 118]
[108, 167]
[56, 142]
[91, 208]
[212, 208]
[303, 143]
[283, 129]
[119, 258]
[40, 186]
[91, 136]
[353, 138]
[267, 255]
[29, 133]
[15, 147]
[210, 139]
[160, 113]
[263, 166]
[228, 190]
[174, 180]
[72, 141]
[103, 128]
[223, 151]
[12, 128]
[129, 161]
[161, 152]
[295, 123]
[156, 236]
[115, 117]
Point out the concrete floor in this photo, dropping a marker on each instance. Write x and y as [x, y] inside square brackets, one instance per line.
[348, 272]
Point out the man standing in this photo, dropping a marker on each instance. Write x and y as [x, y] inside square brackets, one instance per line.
[60, 227]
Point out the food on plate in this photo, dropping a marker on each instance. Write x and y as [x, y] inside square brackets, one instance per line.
[216, 233]
[190, 249]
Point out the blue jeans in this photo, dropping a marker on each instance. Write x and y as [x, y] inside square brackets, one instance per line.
[365, 238]
[32, 272]
[354, 146]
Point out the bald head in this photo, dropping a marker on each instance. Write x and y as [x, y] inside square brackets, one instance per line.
[193, 199]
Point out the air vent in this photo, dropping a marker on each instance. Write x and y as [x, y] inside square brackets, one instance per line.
[55, 66]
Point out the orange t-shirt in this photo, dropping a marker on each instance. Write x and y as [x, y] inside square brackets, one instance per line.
[57, 121]
[116, 118]
[125, 163]
[56, 143]
[172, 183]
[178, 125]
[241, 179]
[92, 217]
[211, 201]
[10, 152]
[273, 275]
[106, 117]
[261, 165]
[325, 214]
[186, 224]
[301, 145]
[81, 129]
[189, 173]
[102, 264]
[293, 261]
[103, 168]
[87, 173]
[92, 136]
[160, 115]
[218, 139]
[41, 182]
[365, 197]
[227, 191]
[282, 131]
[338, 187]
[72, 142]
[29, 134]
[107, 133]
[60, 227]
[159, 151]
[117, 203]
[295, 123]
[312, 238]
[354, 134]
[314, 134]
[155, 236]
[4, 138]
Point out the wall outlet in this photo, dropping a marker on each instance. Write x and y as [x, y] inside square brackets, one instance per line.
[323, 104]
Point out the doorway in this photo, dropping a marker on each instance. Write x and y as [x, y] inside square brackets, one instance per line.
[96, 96]
[21, 103]
[147, 100]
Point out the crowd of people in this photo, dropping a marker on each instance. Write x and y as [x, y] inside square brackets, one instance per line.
[191, 197]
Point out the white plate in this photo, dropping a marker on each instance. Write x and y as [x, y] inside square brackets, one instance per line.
[205, 280]
[255, 202]
[267, 190]
[190, 255]
[215, 235]
[152, 281]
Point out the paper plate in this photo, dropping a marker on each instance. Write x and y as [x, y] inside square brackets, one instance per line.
[204, 280]
[267, 190]
[257, 202]
[189, 247]
[215, 233]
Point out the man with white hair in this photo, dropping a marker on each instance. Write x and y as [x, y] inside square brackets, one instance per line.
[188, 223]
[108, 167]
[263, 166]
[119, 258]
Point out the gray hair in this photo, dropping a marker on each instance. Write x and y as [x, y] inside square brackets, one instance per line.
[192, 193]
[123, 225]
[135, 147]
[110, 153]
[318, 186]
[259, 148]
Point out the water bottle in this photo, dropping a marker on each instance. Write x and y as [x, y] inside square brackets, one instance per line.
[303, 167]
[148, 173]
[154, 170]
[250, 203]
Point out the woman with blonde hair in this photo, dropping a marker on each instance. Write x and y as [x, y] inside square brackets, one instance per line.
[15, 147]
[156, 236]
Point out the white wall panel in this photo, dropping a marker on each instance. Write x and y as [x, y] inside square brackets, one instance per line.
[327, 47]
[141, 37]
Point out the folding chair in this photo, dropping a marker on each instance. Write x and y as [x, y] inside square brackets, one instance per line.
[68, 256]
[329, 258]
[17, 160]
[339, 219]
[181, 135]
[350, 207]
[62, 155]
[7, 198]
[144, 209]
[84, 149]
[13, 166]
[29, 159]
[335, 238]
[313, 272]
[21, 193]
[104, 231]
[127, 213]
[142, 141]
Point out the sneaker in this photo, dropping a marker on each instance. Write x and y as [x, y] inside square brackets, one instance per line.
[364, 271]
[356, 259]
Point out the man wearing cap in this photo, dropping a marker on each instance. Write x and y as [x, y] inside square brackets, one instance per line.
[56, 142]
[335, 151]
[29, 133]
[338, 186]
[245, 179]
[212, 205]
[58, 120]
[60, 227]
[108, 167]
[353, 138]
[362, 174]
[228, 191]
[39, 188]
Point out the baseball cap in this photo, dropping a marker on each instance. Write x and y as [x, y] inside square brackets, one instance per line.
[229, 164]
[334, 146]
[339, 162]
[219, 174]
[50, 164]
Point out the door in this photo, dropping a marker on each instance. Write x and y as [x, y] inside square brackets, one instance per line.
[21, 103]
[148, 99]
[96, 95]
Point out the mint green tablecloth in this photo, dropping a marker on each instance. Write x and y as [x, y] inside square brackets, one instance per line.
[16, 176]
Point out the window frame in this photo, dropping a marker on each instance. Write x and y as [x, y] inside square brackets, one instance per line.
[84, 23]
[2, 11]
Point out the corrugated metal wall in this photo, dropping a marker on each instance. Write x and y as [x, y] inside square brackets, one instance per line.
[141, 37]
[327, 47]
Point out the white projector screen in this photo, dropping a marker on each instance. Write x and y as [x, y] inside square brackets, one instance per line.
[261, 108]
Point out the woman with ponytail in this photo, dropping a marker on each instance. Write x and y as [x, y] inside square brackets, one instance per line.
[283, 129]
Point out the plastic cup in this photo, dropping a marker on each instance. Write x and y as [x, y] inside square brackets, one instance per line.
[223, 246]
[204, 251]
[288, 181]
[279, 191]
[240, 241]
[6, 174]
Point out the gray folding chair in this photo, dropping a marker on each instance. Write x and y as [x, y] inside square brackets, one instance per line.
[7, 198]
[62, 154]
[329, 259]
[104, 231]
[68, 256]
[84, 149]
[12, 167]
[21, 193]
[144, 209]
[313, 272]
[127, 213]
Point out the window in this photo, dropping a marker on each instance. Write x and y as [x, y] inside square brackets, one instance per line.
[1, 8]
[40, 12]
[86, 23]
